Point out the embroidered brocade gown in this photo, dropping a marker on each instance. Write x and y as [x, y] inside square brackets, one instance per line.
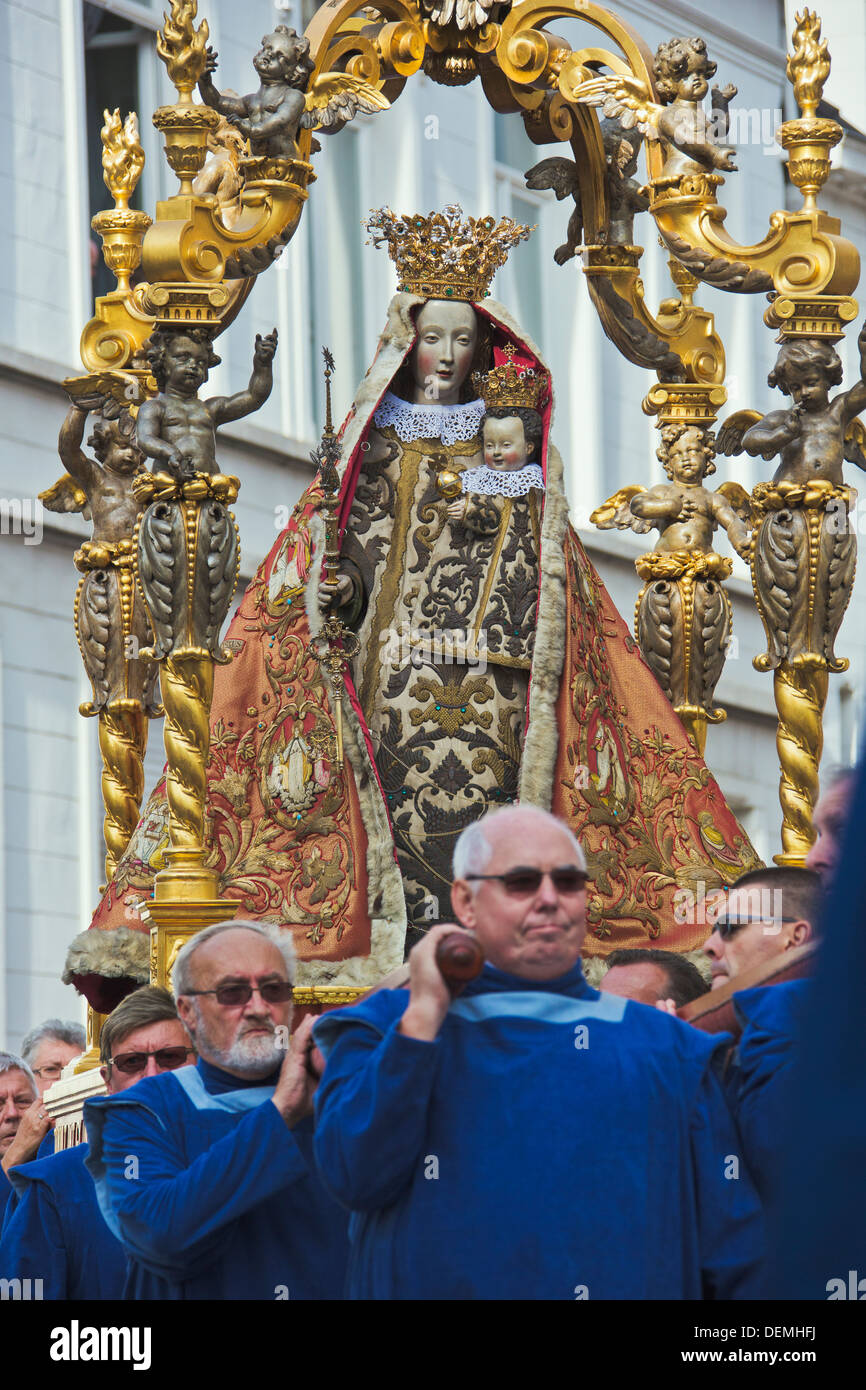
[446, 616]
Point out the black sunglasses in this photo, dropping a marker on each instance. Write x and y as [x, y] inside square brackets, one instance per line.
[167, 1059]
[520, 883]
[274, 992]
[726, 929]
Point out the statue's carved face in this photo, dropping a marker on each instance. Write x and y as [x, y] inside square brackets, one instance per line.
[505, 446]
[687, 458]
[444, 350]
[276, 57]
[186, 364]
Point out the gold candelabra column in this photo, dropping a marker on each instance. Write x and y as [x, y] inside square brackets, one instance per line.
[800, 693]
[186, 646]
[803, 560]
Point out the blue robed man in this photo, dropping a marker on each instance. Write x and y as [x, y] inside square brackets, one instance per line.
[206, 1175]
[531, 1138]
[18, 1091]
[54, 1231]
[766, 913]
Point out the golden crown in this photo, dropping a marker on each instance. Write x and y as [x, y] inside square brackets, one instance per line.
[441, 256]
[508, 385]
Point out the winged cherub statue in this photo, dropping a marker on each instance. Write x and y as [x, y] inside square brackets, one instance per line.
[272, 117]
[682, 70]
[805, 551]
[625, 197]
[110, 619]
[683, 620]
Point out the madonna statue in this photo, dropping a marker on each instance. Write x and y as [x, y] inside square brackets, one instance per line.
[491, 666]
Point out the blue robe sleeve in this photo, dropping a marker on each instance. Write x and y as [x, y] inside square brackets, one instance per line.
[5, 1195]
[32, 1244]
[760, 1077]
[173, 1215]
[371, 1108]
[730, 1218]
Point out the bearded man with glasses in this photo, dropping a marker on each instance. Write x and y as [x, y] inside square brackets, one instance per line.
[224, 1201]
[53, 1229]
[530, 1138]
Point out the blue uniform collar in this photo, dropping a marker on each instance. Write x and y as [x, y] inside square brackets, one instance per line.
[218, 1082]
[493, 981]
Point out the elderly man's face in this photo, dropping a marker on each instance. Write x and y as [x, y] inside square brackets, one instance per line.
[48, 1060]
[830, 819]
[168, 1034]
[16, 1096]
[643, 981]
[537, 935]
[242, 1039]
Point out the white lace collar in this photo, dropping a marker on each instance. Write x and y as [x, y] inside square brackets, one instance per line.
[447, 423]
[494, 481]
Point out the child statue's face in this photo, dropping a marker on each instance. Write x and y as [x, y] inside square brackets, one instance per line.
[687, 459]
[692, 85]
[186, 365]
[809, 388]
[275, 59]
[121, 454]
[505, 446]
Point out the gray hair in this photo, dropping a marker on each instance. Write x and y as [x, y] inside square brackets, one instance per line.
[473, 850]
[281, 937]
[59, 1030]
[9, 1062]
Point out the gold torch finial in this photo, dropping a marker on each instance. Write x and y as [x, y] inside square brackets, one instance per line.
[182, 47]
[122, 156]
[809, 65]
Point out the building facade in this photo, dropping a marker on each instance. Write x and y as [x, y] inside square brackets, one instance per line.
[61, 63]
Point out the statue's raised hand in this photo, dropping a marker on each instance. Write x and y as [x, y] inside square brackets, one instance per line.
[265, 348]
[211, 60]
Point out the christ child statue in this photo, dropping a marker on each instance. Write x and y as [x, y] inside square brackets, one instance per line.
[511, 439]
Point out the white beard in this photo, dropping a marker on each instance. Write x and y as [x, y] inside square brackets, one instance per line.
[250, 1057]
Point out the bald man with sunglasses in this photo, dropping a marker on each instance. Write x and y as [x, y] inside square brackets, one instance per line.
[206, 1175]
[53, 1229]
[529, 1138]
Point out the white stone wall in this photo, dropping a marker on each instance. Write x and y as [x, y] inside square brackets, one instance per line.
[436, 145]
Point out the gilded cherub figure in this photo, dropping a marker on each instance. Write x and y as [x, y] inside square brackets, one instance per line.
[188, 602]
[272, 117]
[110, 620]
[805, 549]
[682, 70]
[177, 429]
[817, 433]
[683, 619]
[625, 195]
[685, 513]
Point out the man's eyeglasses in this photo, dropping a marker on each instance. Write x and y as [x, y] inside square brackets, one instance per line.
[520, 883]
[51, 1072]
[727, 929]
[230, 996]
[167, 1059]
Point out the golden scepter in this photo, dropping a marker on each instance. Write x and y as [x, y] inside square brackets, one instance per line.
[335, 645]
